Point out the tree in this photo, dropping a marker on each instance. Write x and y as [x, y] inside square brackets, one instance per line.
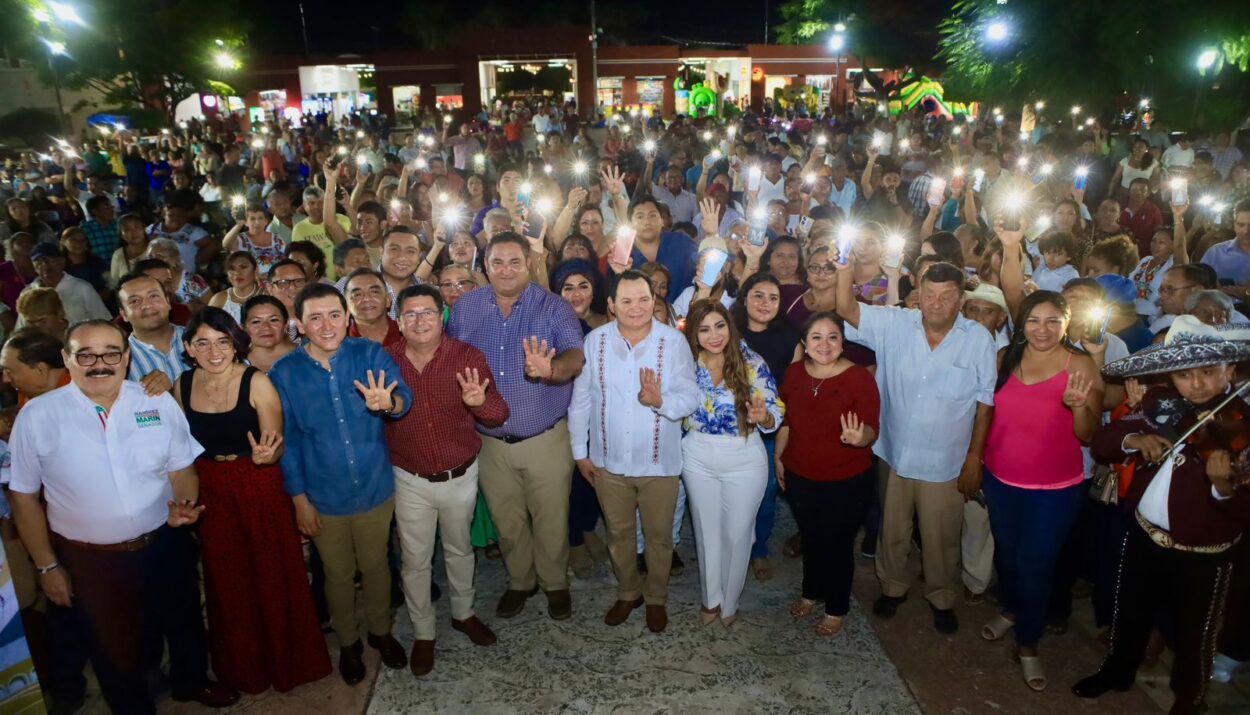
[891, 33]
[136, 53]
[1100, 55]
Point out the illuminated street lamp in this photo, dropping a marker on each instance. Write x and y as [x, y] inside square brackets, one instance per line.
[225, 60]
[1207, 59]
[997, 31]
[65, 13]
[838, 42]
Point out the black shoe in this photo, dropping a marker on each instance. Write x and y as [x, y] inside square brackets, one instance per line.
[435, 592]
[352, 663]
[677, 567]
[512, 602]
[393, 655]
[944, 620]
[642, 563]
[887, 606]
[1099, 683]
[868, 547]
[559, 605]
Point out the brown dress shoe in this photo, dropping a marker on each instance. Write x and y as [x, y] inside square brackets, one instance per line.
[559, 604]
[512, 602]
[478, 632]
[422, 661]
[657, 618]
[620, 611]
[212, 695]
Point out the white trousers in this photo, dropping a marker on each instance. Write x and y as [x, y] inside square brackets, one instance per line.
[421, 506]
[725, 479]
[976, 548]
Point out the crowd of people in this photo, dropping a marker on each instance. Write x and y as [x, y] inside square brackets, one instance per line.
[299, 356]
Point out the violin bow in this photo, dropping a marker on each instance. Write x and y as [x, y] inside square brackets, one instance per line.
[1180, 441]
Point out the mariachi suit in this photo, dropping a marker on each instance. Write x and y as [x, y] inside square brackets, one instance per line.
[1184, 569]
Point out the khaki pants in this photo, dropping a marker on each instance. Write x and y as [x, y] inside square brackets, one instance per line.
[977, 548]
[654, 499]
[940, 509]
[527, 489]
[357, 543]
[421, 508]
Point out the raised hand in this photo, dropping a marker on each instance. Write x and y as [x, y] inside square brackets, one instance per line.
[1009, 238]
[853, 430]
[649, 392]
[577, 197]
[1135, 391]
[472, 388]
[613, 180]
[182, 513]
[378, 395]
[711, 216]
[538, 357]
[757, 410]
[1077, 392]
[266, 450]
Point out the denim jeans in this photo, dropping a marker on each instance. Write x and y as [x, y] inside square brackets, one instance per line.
[767, 514]
[1029, 527]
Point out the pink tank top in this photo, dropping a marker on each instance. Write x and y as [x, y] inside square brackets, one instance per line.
[1031, 443]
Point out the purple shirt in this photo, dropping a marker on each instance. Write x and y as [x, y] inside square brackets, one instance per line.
[534, 406]
[1230, 261]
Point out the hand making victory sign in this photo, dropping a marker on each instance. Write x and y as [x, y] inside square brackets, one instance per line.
[378, 395]
[472, 388]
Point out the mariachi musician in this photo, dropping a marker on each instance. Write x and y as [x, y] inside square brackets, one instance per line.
[1190, 501]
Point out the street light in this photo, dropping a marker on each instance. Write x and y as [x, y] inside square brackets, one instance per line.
[839, 27]
[56, 48]
[1207, 58]
[997, 31]
[837, 42]
[65, 13]
[225, 61]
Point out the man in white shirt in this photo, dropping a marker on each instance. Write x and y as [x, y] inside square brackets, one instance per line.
[116, 467]
[1180, 155]
[625, 423]
[79, 299]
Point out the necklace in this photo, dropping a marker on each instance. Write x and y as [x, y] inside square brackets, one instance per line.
[216, 390]
[816, 385]
[234, 295]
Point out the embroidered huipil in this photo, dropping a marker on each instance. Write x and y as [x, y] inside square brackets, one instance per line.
[609, 425]
[716, 413]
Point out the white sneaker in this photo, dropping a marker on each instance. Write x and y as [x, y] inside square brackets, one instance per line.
[1223, 668]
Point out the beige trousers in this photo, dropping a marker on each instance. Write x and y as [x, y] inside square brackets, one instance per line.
[940, 508]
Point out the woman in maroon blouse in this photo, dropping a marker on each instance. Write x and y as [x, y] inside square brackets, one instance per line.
[825, 464]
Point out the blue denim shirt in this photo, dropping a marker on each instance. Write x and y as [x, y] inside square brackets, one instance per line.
[335, 448]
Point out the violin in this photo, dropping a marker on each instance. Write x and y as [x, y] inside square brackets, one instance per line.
[1226, 427]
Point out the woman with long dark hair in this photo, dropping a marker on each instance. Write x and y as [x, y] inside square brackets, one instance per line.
[263, 630]
[1048, 401]
[725, 466]
[757, 315]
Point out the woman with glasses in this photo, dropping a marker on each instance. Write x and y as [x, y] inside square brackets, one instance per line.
[454, 281]
[263, 629]
[242, 272]
[821, 294]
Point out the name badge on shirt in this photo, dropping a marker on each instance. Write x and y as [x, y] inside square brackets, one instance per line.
[148, 418]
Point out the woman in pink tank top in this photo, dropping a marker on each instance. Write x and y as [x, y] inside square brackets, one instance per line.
[1048, 401]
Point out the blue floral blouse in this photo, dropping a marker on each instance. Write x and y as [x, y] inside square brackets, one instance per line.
[716, 414]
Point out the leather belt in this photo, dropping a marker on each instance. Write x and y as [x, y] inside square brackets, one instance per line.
[229, 457]
[1164, 539]
[448, 474]
[136, 544]
[511, 439]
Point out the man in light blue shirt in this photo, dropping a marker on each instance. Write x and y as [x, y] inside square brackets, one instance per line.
[936, 371]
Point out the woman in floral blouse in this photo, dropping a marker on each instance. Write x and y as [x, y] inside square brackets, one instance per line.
[725, 466]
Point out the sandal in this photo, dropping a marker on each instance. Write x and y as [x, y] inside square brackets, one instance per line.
[708, 616]
[763, 569]
[1034, 675]
[829, 626]
[997, 628]
[802, 608]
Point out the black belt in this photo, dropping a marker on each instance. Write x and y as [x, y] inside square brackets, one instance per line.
[447, 474]
[512, 439]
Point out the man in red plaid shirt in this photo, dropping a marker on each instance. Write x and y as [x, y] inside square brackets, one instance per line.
[434, 455]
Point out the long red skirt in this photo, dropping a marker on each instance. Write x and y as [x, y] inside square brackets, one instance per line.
[262, 626]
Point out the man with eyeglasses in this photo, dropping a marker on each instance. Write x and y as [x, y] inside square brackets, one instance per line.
[434, 452]
[286, 279]
[155, 342]
[116, 467]
[1177, 285]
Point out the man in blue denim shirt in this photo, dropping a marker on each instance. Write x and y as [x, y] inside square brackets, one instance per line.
[336, 467]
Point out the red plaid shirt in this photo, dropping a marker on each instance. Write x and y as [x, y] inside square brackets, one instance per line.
[392, 334]
[438, 432]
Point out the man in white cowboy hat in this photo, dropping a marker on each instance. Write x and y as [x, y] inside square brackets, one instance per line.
[1191, 504]
[987, 305]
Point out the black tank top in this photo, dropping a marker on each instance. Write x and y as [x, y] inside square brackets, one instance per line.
[225, 432]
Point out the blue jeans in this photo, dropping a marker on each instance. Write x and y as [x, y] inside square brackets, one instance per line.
[1030, 527]
[767, 514]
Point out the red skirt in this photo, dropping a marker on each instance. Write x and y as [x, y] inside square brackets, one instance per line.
[262, 626]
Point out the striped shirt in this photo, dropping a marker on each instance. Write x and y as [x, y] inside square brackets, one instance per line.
[144, 358]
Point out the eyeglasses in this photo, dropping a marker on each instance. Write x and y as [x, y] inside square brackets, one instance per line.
[286, 283]
[89, 359]
[827, 268]
[458, 285]
[412, 316]
[1169, 290]
[203, 344]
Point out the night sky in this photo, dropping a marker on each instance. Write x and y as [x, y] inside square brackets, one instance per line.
[362, 25]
